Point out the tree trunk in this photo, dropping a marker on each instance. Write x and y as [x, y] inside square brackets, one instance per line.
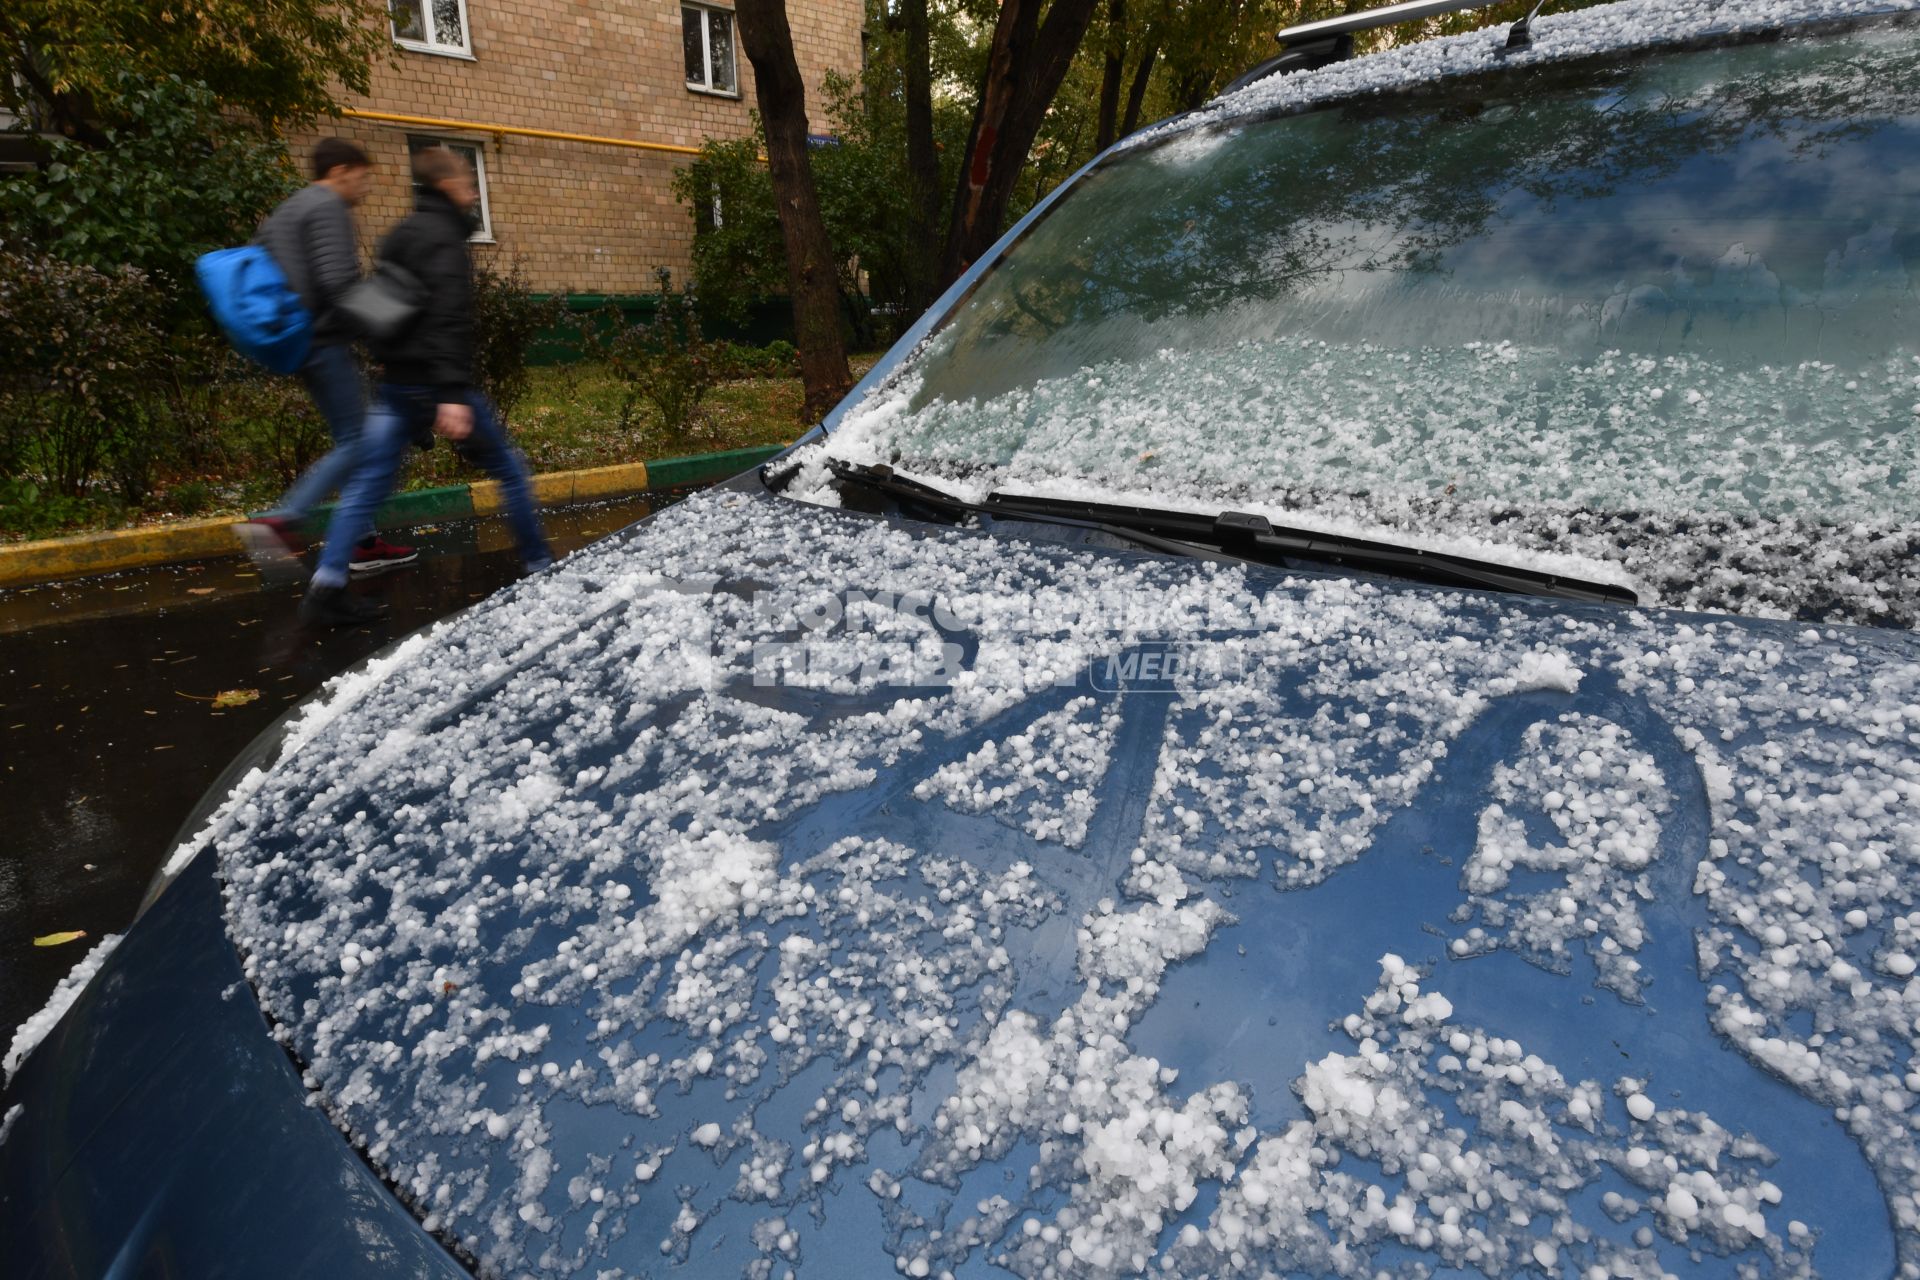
[1138, 93]
[923, 160]
[1192, 93]
[812, 280]
[1110, 75]
[1025, 66]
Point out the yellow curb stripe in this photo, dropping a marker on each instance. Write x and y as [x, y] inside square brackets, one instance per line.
[91, 553]
[609, 482]
[487, 500]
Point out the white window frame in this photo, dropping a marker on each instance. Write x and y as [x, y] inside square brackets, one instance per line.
[433, 43]
[483, 234]
[706, 47]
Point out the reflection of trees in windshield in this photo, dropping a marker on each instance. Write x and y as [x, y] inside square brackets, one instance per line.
[1568, 181]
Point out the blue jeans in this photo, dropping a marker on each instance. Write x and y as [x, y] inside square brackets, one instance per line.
[332, 378]
[399, 414]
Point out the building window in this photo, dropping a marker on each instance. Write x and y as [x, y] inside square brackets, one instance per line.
[431, 26]
[707, 214]
[707, 35]
[475, 155]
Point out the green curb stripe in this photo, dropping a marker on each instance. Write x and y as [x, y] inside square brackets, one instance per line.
[417, 506]
[669, 473]
[449, 502]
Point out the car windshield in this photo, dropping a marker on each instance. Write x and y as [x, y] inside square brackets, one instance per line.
[1622, 312]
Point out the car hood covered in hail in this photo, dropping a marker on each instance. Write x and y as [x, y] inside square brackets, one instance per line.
[774, 889]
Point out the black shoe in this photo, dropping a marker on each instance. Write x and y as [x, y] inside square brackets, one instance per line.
[338, 607]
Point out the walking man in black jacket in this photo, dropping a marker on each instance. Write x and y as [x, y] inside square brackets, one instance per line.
[429, 385]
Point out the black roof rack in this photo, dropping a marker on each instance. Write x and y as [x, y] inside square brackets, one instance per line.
[1316, 44]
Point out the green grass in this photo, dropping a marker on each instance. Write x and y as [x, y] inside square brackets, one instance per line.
[569, 420]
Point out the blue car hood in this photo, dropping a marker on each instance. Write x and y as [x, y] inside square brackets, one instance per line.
[775, 888]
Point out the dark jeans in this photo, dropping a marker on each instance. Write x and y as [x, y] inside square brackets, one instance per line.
[400, 414]
[332, 378]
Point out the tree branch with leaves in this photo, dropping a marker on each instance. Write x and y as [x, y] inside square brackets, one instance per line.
[63, 62]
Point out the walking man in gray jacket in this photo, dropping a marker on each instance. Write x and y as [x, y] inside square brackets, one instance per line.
[313, 240]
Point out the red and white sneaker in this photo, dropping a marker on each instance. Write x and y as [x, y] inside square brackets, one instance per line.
[376, 553]
[270, 540]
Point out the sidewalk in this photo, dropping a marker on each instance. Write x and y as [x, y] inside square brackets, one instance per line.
[54, 559]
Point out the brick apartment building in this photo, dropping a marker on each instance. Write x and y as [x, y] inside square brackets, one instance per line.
[583, 213]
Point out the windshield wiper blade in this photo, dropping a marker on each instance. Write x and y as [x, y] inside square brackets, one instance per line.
[1253, 537]
[1243, 536]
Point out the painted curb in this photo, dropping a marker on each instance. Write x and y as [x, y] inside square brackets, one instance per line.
[86, 554]
[91, 553]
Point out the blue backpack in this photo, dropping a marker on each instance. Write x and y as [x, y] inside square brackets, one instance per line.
[254, 306]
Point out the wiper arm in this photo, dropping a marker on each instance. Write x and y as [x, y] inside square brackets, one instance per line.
[1241, 535]
[882, 479]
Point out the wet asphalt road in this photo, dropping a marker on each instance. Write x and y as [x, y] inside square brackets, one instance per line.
[109, 733]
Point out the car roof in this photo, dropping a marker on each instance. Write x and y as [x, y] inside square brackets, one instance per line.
[1624, 27]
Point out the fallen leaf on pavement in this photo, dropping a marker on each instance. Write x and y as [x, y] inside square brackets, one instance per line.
[55, 939]
[235, 697]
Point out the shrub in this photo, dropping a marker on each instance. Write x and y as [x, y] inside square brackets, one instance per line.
[80, 349]
[194, 396]
[280, 429]
[268, 426]
[29, 510]
[139, 442]
[783, 359]
[778, 359]
[666, 362]
[738, 255]
[192, 497]
[508, 317]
